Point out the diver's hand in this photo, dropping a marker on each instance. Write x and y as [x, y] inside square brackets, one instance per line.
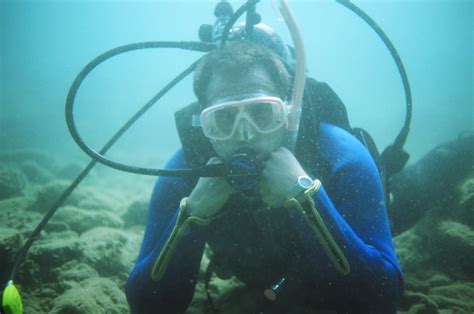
[209, 195]
[278, 177]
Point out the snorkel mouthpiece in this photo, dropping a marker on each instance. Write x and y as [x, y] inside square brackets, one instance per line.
[244, 169]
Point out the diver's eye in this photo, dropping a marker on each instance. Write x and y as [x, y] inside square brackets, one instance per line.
[262, 114]
[225, 118]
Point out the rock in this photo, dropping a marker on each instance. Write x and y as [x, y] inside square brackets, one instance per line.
[41, 158]
[467, 193]
[10, 240]
[416, 282]
[10, 244]
[14, 214]
[98, 199]
[70, 171]
[34, 172]
[49, 194]
[73, 272]
[56, 249]
[430, 183]
[15, 204]
[94, 295]
[458, 296]
[53, 226]
[466, 201]
[12, 183]
[455, 232]
[131, 248]
[47, 254]
[80, 220]
[410, 250]
[424, 279]
[103, 250]
[87, 198]
[447, 241]
[136, 214]
[439, 280]
[36, 304]
[415, 302]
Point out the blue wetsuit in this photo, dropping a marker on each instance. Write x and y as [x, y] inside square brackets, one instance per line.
[351, 203]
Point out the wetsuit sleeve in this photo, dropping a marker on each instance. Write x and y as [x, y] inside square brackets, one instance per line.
[351, 203]
[173, 293]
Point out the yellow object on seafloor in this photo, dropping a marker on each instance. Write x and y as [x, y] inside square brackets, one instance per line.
[11, 301]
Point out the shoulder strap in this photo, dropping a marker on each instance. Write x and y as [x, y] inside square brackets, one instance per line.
[320, 104]
[197, 148]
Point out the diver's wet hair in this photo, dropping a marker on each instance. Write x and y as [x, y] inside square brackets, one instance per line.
[238, 58]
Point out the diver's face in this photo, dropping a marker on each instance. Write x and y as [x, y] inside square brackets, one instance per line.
[256, 82]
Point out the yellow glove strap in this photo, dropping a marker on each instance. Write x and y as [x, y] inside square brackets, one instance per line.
[319, 228]
[182, 223]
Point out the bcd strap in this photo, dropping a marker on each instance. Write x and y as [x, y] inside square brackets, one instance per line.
[394, 158]
[197, 148]
[364, 137]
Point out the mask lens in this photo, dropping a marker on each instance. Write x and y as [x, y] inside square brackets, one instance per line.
[224, 120]
[265, 116]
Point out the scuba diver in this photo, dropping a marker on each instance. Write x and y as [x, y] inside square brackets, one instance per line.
[289, 197]
[311, 228]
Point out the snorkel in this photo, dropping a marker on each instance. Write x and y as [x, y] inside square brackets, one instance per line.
[294, 105]
[262, 34]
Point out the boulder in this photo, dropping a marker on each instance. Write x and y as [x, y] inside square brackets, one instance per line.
[466, 201]
[75, 271]
[416, 302]
[12, 183]
[80, 220]
[99, 199]
[131, 248]
[410, 250]
[103, 250]
[447, 241]
[48, 195]
[458, 297]
[94, 295]
[69, 171]
[71, 273]
[54, 226]
[430, 183]
[34, 172]
[40, 157]
[55, 250]
[10, 243]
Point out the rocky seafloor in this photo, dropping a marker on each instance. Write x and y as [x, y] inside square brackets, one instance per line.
[81, 260]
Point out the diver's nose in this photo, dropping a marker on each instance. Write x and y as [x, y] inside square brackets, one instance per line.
[245, 132]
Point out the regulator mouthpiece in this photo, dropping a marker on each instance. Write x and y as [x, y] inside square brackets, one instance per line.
[244, 169]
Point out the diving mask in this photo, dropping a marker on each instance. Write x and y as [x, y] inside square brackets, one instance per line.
[265, 114]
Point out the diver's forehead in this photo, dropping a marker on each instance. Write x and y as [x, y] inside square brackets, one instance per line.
[255, 81]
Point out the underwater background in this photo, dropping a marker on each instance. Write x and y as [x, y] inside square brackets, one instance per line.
[45, 44]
